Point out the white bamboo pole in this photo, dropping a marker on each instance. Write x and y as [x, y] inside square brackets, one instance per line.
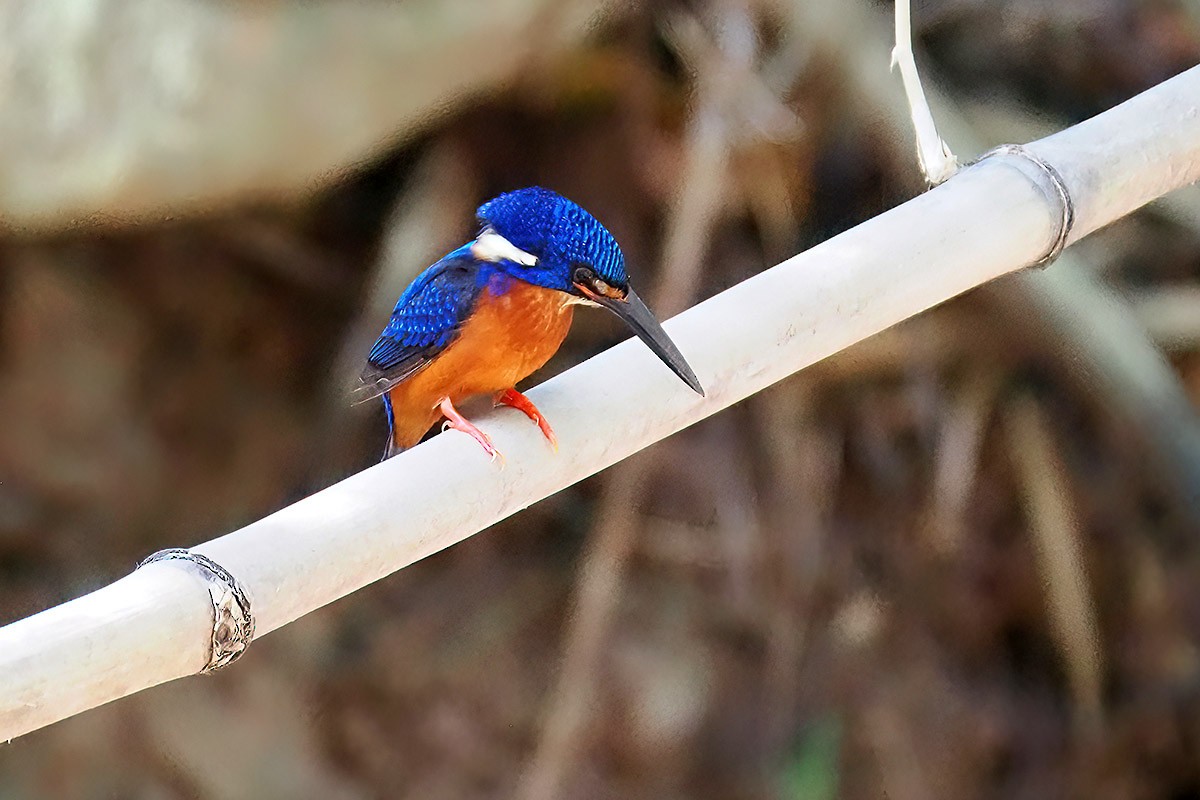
[989, 220]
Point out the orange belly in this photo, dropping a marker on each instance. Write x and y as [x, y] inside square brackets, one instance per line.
[509, 337]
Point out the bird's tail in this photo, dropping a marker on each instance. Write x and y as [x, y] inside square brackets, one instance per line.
[390, 449]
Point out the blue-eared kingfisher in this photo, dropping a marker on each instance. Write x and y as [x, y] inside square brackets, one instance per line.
[490, 313]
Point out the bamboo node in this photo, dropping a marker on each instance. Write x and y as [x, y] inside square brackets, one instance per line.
[1066, 204]
[233, 622]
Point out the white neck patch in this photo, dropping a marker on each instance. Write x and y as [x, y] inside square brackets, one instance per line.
[491, 246]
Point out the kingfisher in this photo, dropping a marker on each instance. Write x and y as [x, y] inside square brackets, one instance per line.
[492, 312]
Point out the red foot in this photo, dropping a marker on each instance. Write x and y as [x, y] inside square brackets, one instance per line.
[458, 422]
[514, 399]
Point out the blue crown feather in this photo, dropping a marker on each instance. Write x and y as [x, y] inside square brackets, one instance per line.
[560, 233]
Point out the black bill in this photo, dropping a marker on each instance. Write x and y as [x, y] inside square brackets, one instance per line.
[633, 311]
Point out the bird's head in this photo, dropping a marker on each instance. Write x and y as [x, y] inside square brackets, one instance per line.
[567, 244]
[544, 238]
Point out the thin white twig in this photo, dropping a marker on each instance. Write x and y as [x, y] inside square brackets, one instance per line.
[937, 161]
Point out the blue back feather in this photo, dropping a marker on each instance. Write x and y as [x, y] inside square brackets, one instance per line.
[427, 317]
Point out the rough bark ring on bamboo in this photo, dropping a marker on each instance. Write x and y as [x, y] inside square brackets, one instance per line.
[1067, 219]
[233, 622]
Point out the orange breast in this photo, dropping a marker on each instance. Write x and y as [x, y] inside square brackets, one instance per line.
[509, 337]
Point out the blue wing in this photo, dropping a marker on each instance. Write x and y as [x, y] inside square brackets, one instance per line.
[427, 318]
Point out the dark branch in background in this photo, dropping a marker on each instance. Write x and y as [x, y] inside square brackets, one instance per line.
[726, 69]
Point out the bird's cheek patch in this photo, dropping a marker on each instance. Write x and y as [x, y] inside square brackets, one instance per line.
[491, 246]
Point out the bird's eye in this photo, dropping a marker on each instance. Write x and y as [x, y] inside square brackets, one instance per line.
[587, 279]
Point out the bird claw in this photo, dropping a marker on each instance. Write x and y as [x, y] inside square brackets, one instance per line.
[514, 399]
[458, 422]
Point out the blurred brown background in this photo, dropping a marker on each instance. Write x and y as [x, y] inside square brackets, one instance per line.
[959, 560]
